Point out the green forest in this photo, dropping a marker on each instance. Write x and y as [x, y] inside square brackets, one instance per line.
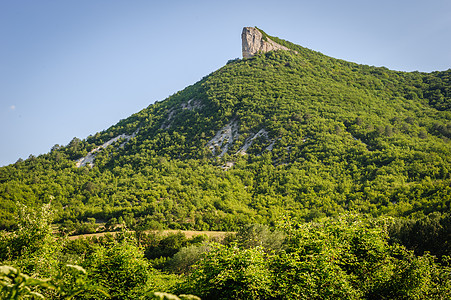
[333, 179]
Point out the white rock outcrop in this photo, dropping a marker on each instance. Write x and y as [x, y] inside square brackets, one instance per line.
[248, 142]
[253, 42]
[224, 139]
[228, 135]
[89, 159]
[191, 104]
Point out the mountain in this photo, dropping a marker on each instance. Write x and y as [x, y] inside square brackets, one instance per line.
[285, 131]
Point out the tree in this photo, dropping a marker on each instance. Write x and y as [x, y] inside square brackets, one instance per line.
[254, 235]
[32, 244]
[350, 257]
[388, 131]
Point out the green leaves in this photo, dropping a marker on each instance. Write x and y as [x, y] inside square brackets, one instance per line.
[338, 136]
[121, 269]
[348, 257]
[231, 273]
[16, 285]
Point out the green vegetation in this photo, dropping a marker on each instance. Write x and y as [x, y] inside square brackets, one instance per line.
[347, 257]
[345, 137]
[344, 258]
[358, 157]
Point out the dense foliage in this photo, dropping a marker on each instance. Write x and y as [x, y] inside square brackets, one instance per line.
[311, 139]
[345, 137]
[346, 257]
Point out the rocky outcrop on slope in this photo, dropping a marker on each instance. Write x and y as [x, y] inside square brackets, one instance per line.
[253, 41]
[88, 160]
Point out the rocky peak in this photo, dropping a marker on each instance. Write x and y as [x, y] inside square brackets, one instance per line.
[253, 42]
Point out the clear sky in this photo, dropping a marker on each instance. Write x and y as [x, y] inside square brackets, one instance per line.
[75, 67]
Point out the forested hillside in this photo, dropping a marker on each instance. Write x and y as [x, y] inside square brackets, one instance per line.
[333, 179]
[303, 134]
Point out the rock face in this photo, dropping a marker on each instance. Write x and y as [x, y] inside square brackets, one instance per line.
[253, 42]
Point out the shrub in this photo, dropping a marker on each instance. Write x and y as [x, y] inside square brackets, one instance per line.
[121, 269]
[227, 272]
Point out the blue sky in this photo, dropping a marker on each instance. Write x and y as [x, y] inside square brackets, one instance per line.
[73, 68]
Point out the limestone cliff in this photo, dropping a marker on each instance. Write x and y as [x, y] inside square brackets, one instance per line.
[253, 42]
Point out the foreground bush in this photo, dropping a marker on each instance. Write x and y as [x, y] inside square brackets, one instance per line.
[344, 258]
[231, 273]
[121, 269]
[70, 282]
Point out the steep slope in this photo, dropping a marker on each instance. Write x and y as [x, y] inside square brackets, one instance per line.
[280, 133]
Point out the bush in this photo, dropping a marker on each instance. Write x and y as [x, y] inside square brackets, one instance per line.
[183, 260]
[254, 235]
[227, 272]
[121, 269]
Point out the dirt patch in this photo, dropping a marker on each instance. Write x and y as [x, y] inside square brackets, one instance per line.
[188, 233]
